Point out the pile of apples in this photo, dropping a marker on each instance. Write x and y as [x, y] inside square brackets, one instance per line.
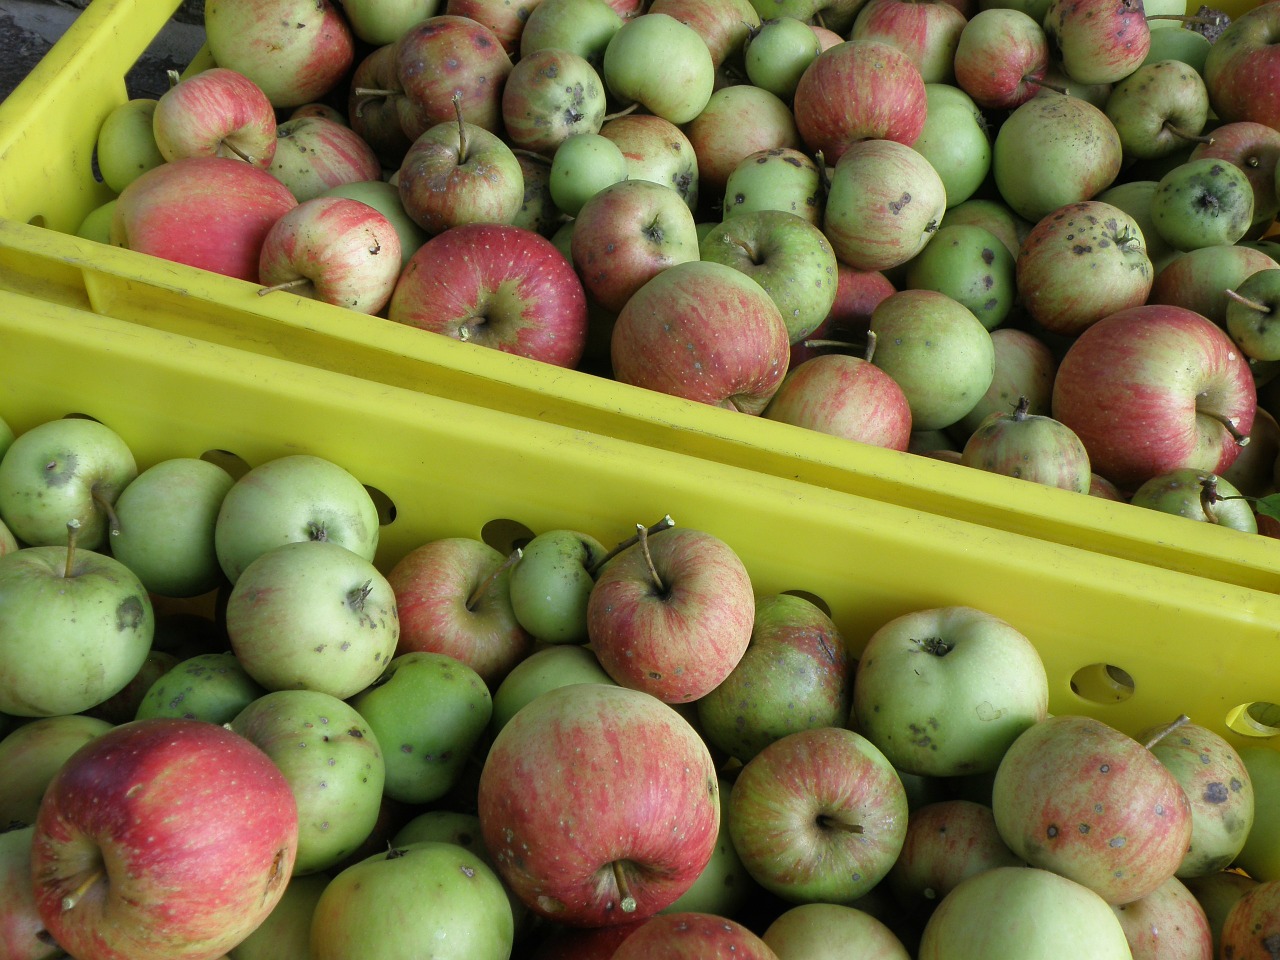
[573, 751]
[887, 220]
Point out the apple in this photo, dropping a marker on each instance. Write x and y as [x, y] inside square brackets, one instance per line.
[430, 892]
[1196, 495]
[993, 215]
[1079, 797]
[449, 65]
[724, 26]
[969, 264]
[890, 103]
[737, 121]
[295, 50]
[583, 165]
[335, 250]
[208, 686]
[1202, 203]
[787, 255]
[656, 150]
[689, 935]
[702, 331]
[312, 615]
[584, 27]
[1199, 280]
[1054, 150]
[1240, 69]
[126, 146]
[1217, 893]
[778, 179]
[985, 918]
[453, 597]
[333, 762]
[1029, 447]
[139, 852]
[598, 804]
[955, 139]
[1154, 388]
[543, 670]
[61, 470]
[32, 753]
[672, 614]
[927, 32]
[1000, 57]
[858, 293]
[828, 931]
[551, 583]
[796, 674]
[945, 691]
[1255, 149]
[1167, 922]
[85, 612]
[21, 930]
[504, 17]
[497, 286]
[662, 64]
[1258, 858]
[937, 351]
[286, 932]
[378, 109]
[1158, 109]
[314, 154]
[723, 887]
[295, 497]
[380, 23]
[776, 54]
[538, 211]
[818, 816]
[1252, 927]
[206, 212]
[1097, 42]
[215, 113]
[550, 96]
[167, 516]
[884, 203]
[845, 396]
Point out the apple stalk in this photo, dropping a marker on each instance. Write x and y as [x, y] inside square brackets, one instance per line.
[488, 581]
[1167, 729]
[663, 524]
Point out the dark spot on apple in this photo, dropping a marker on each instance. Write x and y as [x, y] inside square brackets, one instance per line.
[1097, 808]
[130, 614]
[1052, 831]
[60, 471]
[654, 675]
[990, 304]
[356, 732]
[395, 853]
[406, 748]
[1116, 843]
[988, 256]
[1105, 768]
[1084, 828]
[897, 206]
[1272, 945]
[1236, 785]
[1204, 758]
[1216, 793]
[467, 871]
[1080, 249]
[1159, 809]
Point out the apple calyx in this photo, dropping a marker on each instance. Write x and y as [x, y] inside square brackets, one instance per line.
[293, 284]
[626, 901]
[1245, 301]
[75, 896]
[937, 646]
[488, 581]
[73, 528]
[356, 596]
[828, 822]
[663, 524]
[1167, 729]
[317, 531]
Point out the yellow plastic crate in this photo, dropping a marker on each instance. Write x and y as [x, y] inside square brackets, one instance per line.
[48, 127]
[1191, 645]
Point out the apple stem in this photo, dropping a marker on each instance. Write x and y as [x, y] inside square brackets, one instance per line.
[103, 504]
[1167, 729]
[658, 527]
[174, 78]
[831, 823]
[1251, 304]
[824, 181]
[531, 154]
[287, 285]
[73, 528]
[488, 581]
[625, 111]
[462, 130]
[625, 900]
[1186, 18]
[76, 895]
[838, 344]
[1020, 412]
[643, 534]
[871, 346]
[372, 92]
[1056, 88]
[1230, 426]
[1187, 134]
[237, 151]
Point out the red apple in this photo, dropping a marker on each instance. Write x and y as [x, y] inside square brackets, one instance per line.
[447, 57]
[216, 113]
[693, 936]
[1097, 41]
[505, 18]
[1242, 68]
[927, 31]
[498, 286]
[314, 155]
[1001, 54]
[858, 293]
[207, 212]
[847, 397]
[1154, 388]
[163, 839]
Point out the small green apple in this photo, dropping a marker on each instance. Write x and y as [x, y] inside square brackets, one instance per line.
[582, 166]
[1260, 856]
[539, 672]
[551, 582]
[286, 933]
[1202, 203]
[955, 140]
[32, 754]
[777, 53]
[661, 63]
[970, 265]
[96, 224]
[126, 147]
[208, 686]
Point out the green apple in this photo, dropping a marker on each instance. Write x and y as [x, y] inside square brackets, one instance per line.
[1134, 198]
[780, 178]
[1025, 367]
[293, 498]
[788, 256]
[954, 140]
[938, 352]
[582, 166]
[539, 672]
[96, 224]
[1189, 46]
[123, 706]
[550, 96]
[6, 436]
[1181, 493]
[32, 754]
[1158, 109]
[429, 710]
[208, 686]
[777, 53]
[945, 691]
[970, 265]
[381, 22]
[63, 470]
[991, 214]
[1260, 856]
[661, 63]
[1202, 203]
[75, 628]
[551, 582]
[796, 674]
[421, 893]
[286, 933]
[724, 885]
[126, 147]
[167, 517]
[1217, 893]
[832, 931]
[584, 27]
[1251, 315]
[8, 543]
[1029, 447]
[332, 759]
[385, 198]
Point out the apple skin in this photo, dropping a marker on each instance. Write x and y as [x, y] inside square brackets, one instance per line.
[928, 33]
[583, 27]
[1255, 149]
[737, 121]
[824, 931]
[1029, 447]
[543, 670]
[1259, 857]
[216, 113]
[1252, 928]
[58, 471]
[1241, 68]
[776, 53]
[661, 63]
[454, 175]
[126, 146]
[1097, 41]
[705, 332]
[295, 50]
[445, 56]
[778, 179]
[724, 25]
[206, 212]
[677, 642]
[1139, 389]
[846, 397]
[499, 286]
[1197, 279]
[794, 804]
[21, 931]
[1001, 52]
[506, 18]
[551, 583]
[1180, 493]
[1202, 203]
[30, 756]
[972, 266]
[656, 150]
[945, 691]
[180, 865]
[690, 935]
[1079, 797]
[551, 95]
[314, 155]
[1167, 923]
[207, 686]
[591, 779]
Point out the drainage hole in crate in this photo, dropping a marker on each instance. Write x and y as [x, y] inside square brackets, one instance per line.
[1102, 683]
[1258, 719]
[80, 416]
[386, 507]
[37, 220]
[228, 461]
[506, 535]
[813, 598]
